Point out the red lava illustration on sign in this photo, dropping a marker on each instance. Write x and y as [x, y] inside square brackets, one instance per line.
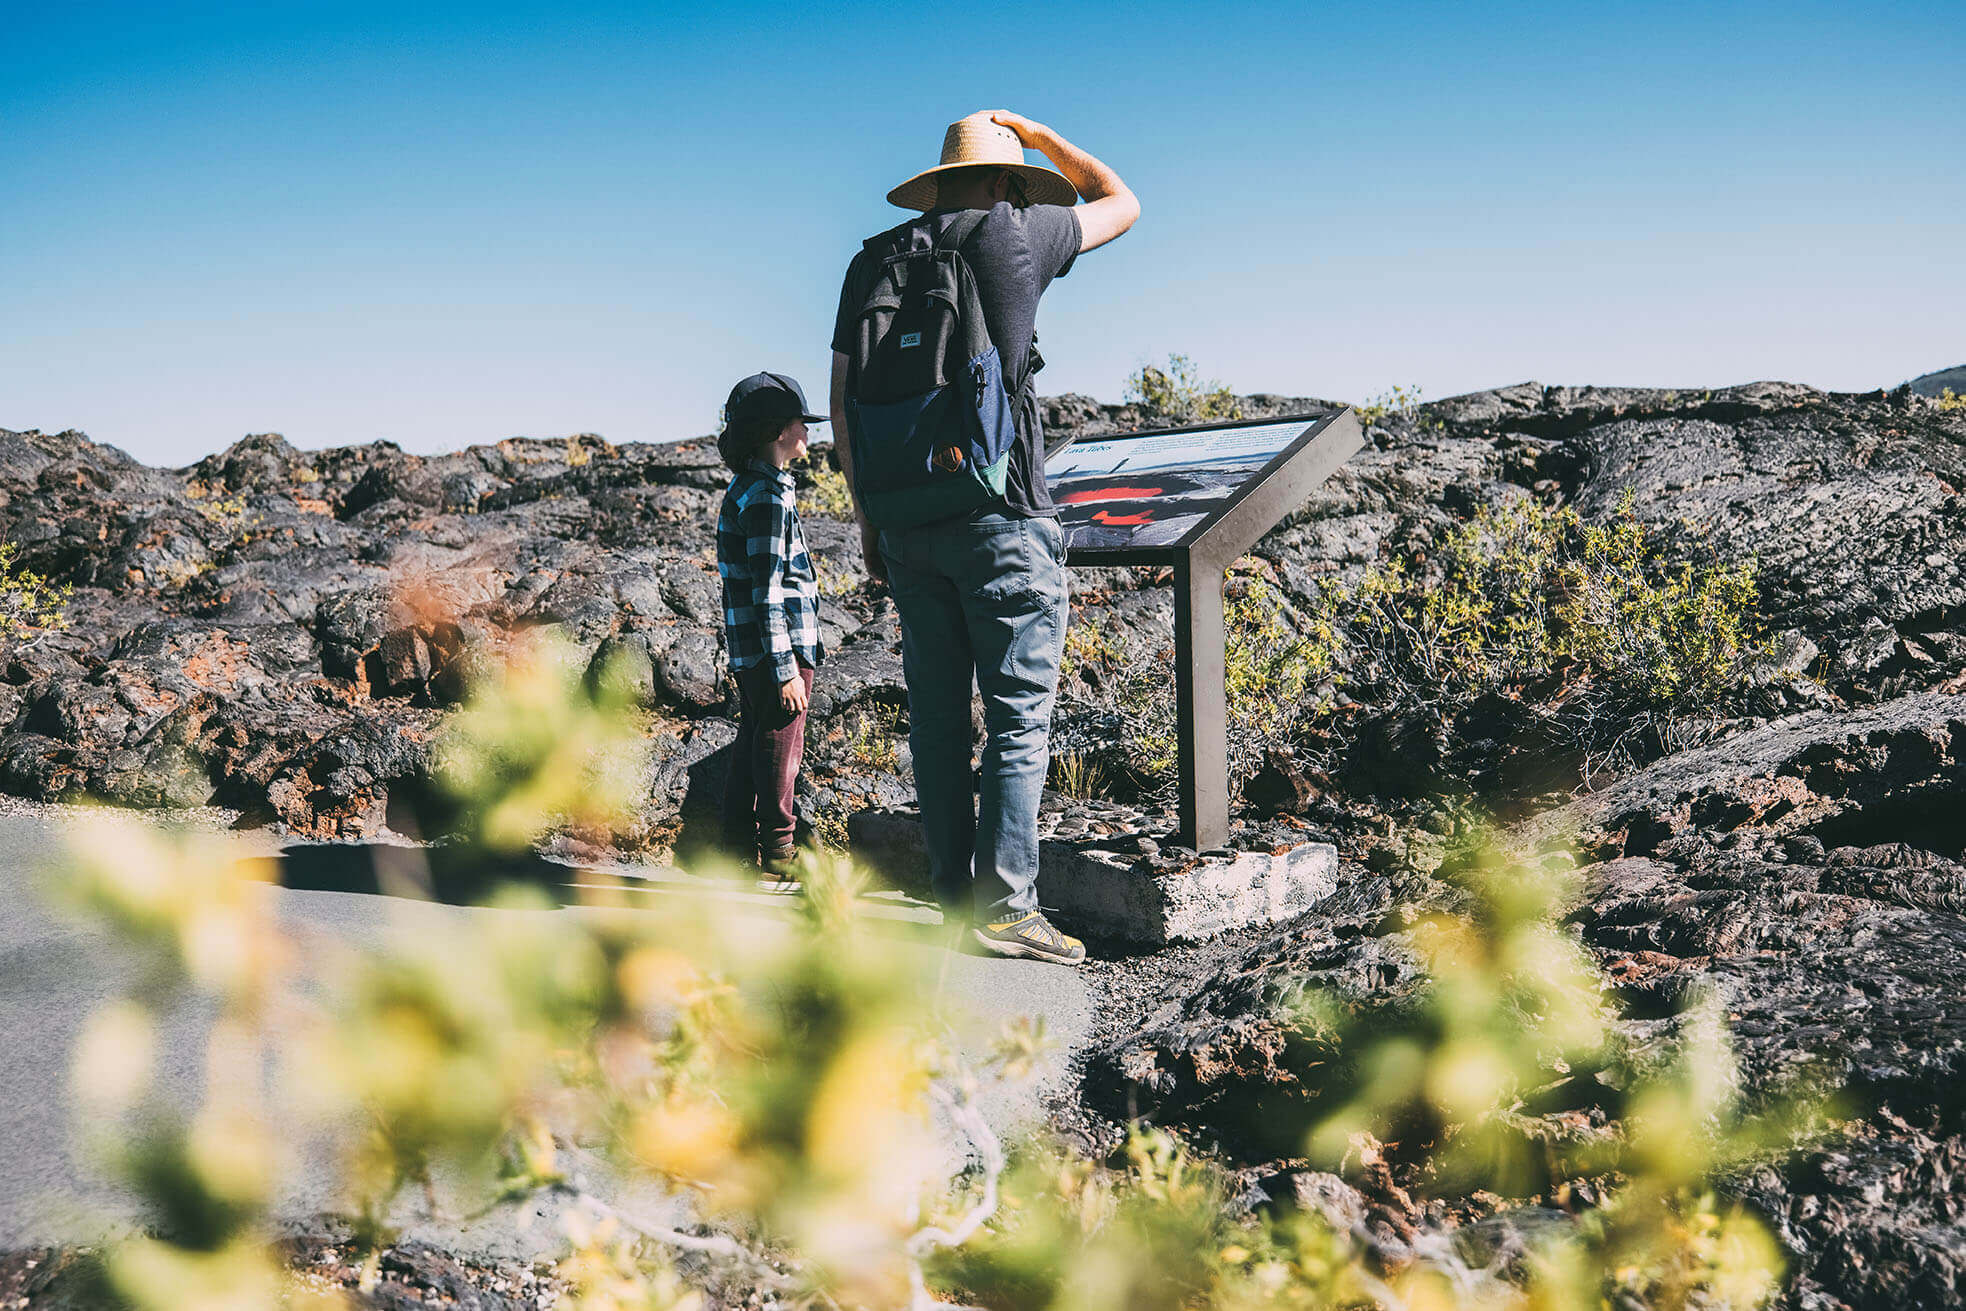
[1092, 494]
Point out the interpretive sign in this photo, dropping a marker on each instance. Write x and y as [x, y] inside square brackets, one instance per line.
[1155, 488]
[1195, 498]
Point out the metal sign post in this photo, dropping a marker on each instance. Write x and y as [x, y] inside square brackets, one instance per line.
[1201, 703]
[1196, 498]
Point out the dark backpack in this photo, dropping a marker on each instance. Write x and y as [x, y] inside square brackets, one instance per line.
[928, 408]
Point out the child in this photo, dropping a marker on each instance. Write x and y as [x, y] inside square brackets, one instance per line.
[771, 617]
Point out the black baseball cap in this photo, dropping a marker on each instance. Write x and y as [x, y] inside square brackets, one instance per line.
[768, 396]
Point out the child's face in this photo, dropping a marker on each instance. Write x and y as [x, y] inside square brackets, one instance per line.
[791, 443]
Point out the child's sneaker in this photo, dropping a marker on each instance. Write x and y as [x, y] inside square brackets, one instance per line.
[1031, 935]
[780, 871]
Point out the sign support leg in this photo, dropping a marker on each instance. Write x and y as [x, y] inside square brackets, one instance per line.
[1201, 702]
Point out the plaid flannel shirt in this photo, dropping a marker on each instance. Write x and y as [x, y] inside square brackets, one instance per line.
[771, 594]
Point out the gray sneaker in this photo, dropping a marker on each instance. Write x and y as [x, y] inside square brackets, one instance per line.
[1030, 935]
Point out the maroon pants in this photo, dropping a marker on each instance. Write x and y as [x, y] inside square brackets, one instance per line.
[764, 766]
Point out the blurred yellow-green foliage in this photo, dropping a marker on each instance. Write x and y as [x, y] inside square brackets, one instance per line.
[1513, 1029]
[534, 746]
[1513, 1011]
[796, 1081]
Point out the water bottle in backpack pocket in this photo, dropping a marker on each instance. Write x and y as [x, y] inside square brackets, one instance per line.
[928, 409]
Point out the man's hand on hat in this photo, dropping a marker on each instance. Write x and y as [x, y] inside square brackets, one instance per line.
[1028, 132]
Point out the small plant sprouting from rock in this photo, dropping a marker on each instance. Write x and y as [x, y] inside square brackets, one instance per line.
[30, 605]
[227, 513]
[1400, 400]
[829, 829]
[1077, 774]
[1089, 651]
[1400, 403]
[873, 735]
[1176, 395]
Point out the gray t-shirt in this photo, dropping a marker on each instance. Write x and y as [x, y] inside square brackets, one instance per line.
[1015, 254]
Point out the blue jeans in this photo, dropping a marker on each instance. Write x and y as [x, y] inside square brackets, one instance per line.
[983, 598]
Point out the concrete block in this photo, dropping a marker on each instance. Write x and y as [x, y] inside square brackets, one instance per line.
[1114, 894]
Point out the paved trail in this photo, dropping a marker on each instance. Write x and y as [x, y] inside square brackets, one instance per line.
[53, 974]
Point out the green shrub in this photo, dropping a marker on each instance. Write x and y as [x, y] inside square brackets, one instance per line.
[1273, 662]
[30, 605]
[1400, 401]
[1948, 401]
[1592, 632]
[1623, 645]
[1272, 665]
[1176, 395]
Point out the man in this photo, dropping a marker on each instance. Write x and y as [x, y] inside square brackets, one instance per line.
[984, 596]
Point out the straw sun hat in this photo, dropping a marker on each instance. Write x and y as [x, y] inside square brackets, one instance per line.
[979, 139]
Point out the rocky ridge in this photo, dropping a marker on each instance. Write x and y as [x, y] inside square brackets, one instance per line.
[280, 631]
[1938, 381]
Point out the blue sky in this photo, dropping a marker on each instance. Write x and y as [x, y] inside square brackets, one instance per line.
[440, 223]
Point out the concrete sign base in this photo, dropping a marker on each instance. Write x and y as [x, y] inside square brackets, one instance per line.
[1101, 889]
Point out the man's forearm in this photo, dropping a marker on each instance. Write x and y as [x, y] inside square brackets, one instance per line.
[842, 439]
[843, 443]
[1110, 206]
[843, 447]
[1091, 178]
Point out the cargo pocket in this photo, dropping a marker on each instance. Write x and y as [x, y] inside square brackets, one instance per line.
[1017, 572]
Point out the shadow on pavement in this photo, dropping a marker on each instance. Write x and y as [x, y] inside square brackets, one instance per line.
[431, 873]
[460, 877]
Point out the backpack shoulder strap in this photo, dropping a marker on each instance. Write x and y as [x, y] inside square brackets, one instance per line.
[958, 231]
